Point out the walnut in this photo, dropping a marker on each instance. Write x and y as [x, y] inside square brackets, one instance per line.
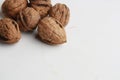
[28, 19]
[60, 12]
[9, 31]
[51, 31]
[11, 8]
[42, 6]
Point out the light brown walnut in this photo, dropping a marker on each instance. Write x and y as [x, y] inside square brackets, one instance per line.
[42, 6]
[60, 12]
[28, 19]
[9, 31]
[51, 31]
[11, 8]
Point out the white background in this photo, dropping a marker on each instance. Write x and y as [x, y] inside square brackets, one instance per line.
[91, 53]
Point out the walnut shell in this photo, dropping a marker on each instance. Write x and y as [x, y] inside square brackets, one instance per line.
[28, 19]
[60, 12]
[11, 8]
[51, 31]
[42, 6]
[9, 31]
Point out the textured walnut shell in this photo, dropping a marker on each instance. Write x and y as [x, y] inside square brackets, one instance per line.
[60, 12]
[9, 31]
[51, 31]
[28, 19]
[42, 6]
[11, 8]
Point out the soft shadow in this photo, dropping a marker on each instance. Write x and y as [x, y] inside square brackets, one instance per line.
[28, 33]
[1, 14]
[2, 44]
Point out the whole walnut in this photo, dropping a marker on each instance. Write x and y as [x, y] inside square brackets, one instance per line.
[51, 31]
[11, 8]
[42, 6]
[60, 12]
[9, 31]
[28, 19]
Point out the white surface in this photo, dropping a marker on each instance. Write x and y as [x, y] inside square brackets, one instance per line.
[91, 53]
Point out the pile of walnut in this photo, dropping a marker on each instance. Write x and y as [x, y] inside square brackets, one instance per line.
[23, 16]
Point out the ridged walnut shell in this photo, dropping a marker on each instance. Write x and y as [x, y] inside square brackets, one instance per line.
[28, 19]
[11, 8]
[42, 6]
[51, 31]
[60, 12]
[9, 31]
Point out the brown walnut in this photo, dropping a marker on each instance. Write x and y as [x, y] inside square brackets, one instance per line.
[42, 6]
[51, 31]
[9, 31]
[60, 12]
[11, 8]
[28, 19]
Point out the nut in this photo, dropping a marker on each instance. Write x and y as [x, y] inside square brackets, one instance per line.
[42, 6]
[51, 31]
[60, 12]
[11, 8]
[28, 19]
[9, 31]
